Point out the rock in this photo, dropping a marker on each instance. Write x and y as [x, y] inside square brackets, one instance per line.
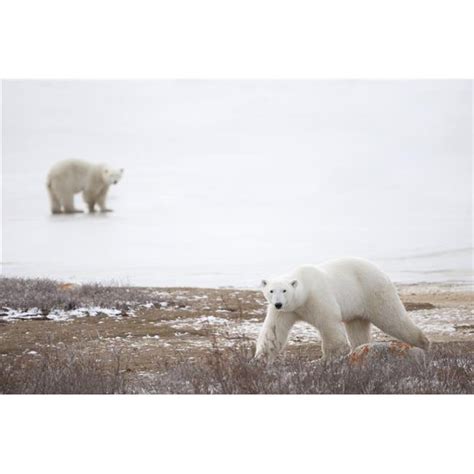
[418, 306]
[385, 351]
[67, 286]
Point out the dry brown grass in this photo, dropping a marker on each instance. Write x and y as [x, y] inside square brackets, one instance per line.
[26, 293]
[64, 371]
[447, 369]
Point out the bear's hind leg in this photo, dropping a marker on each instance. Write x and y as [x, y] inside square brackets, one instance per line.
[68, 201]
[358, 332]
[391, 317]
[55, 203]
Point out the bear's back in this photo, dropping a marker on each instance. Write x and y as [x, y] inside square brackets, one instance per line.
[71, 174]
[352, 281]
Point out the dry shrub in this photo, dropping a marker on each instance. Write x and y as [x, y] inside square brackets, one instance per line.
[230, 371]
[27, 293]
[64, 371]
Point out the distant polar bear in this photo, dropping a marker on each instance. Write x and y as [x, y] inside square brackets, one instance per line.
[70, 177]
[341, 298]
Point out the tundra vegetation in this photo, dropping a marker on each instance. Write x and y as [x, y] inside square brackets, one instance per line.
[65, 338]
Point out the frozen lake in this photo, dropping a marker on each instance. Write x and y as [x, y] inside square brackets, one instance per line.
[227, 182]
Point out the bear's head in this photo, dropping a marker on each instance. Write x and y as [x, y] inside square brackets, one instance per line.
[112, 176]
[281, 294]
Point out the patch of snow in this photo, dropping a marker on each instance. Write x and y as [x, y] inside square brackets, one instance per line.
[211, 319]
[10, 314]
[62, 315]
[442, 320]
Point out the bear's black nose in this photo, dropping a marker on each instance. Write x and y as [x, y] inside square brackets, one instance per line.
[278, 305]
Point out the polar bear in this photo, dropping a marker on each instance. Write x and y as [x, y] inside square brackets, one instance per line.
[70, 177]
[341, 298]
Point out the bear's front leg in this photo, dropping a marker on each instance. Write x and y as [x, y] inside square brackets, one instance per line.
[101, 201]
[89, 199]
[334, 339]
[274, 333]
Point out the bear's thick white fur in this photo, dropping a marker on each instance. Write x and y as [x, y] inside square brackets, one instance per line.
[70, 177]
[341, 299]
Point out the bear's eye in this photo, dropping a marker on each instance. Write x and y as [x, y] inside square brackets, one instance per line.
[271, 291]
[284, 291]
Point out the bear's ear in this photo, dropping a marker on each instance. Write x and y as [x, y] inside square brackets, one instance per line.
[264, 283]
[121, 170]
[294, 283]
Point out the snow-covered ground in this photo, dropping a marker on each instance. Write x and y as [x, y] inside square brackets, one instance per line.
[185, 312]
[10, 314]
[228, 182]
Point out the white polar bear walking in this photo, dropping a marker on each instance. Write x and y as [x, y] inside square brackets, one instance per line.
[341, 299]
[70, 177]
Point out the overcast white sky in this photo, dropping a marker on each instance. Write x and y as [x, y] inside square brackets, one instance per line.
[170, 118]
